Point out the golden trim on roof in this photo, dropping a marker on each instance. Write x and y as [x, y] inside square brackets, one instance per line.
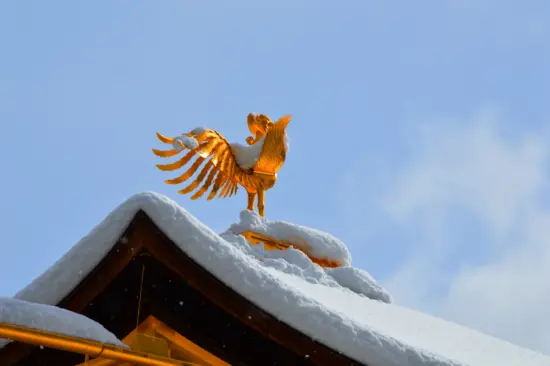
[156, 338]
[152, 343]
[271, 243]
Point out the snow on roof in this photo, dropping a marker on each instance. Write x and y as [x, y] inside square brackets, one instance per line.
[52, 319]
[306, 297]
[318, 243]
[315, 242]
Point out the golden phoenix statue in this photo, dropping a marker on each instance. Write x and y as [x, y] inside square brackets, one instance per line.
[254, 166]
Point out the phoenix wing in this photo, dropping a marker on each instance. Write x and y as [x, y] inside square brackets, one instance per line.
[220, 172]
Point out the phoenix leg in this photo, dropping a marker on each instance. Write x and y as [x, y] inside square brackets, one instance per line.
[251, 197]
[261, 202]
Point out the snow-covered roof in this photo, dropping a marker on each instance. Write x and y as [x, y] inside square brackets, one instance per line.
[52, 319]
[343, 308]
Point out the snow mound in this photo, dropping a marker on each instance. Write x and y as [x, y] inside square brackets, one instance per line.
[315, 242]
[52, 319]
[296, 262]
[359, 281]
[301, 295]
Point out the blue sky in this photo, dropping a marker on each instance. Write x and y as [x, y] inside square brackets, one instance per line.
[419, 133]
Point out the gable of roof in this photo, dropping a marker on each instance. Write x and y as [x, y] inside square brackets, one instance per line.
[167, 265]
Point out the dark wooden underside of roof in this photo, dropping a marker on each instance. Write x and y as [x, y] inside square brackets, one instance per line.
[183, 295]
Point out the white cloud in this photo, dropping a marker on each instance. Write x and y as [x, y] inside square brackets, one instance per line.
[473, 166]
[498, 181]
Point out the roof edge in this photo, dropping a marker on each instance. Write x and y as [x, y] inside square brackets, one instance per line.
[59, 280]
